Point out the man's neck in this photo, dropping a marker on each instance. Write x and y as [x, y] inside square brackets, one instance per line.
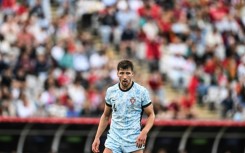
[126, 88]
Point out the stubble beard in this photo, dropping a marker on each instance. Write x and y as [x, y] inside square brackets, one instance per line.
[125, 83]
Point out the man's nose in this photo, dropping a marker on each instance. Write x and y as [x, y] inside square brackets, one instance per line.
[124, 75]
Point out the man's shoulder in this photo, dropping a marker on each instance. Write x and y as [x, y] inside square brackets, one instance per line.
[139, 86]
[113, 87]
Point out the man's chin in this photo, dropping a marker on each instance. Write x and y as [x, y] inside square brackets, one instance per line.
[125, 85]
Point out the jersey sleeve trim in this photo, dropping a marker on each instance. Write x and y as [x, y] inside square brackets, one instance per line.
[146, 105]
[108, 104]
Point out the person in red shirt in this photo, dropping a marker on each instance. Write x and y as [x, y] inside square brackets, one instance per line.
[210, 66]
[8, 5]
[192, 87]
[150, 8]
[22, 8]
[217, 11]
[187, 103]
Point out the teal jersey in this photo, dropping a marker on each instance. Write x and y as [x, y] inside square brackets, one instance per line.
[127, 110]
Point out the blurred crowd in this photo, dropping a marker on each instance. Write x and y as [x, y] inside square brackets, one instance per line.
[57, 57]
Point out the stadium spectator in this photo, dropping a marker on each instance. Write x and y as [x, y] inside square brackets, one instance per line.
[227, 105]
[24, 106]
[197, 45]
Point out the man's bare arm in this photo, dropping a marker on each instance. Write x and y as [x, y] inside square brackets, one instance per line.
[141, 140]
[150, 119]
[104, 121]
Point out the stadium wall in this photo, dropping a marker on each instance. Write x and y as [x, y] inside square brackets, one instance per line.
[75, 135]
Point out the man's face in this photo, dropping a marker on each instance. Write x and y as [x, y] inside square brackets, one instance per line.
[125, 77]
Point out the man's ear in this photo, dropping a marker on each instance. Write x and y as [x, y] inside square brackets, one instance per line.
[132, 73]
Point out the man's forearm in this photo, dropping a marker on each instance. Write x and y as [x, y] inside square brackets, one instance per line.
[104, 120]
[149, 123]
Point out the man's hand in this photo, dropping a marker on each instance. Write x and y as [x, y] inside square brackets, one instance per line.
[95, 145]
[141, 140]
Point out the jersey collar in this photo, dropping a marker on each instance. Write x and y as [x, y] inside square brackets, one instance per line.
[126, 89]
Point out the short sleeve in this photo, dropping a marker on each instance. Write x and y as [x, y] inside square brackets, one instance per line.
[146, 101]
[107, 98]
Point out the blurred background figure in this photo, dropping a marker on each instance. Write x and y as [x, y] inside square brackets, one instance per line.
[190, 55]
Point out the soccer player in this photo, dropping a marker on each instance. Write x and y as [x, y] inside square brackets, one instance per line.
[125, 103]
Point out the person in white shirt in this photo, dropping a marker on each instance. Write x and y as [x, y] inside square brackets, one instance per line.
[25, 107]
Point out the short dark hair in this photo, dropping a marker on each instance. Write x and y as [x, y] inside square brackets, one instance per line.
[125, 64]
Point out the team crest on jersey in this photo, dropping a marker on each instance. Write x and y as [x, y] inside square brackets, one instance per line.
[132, 100]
